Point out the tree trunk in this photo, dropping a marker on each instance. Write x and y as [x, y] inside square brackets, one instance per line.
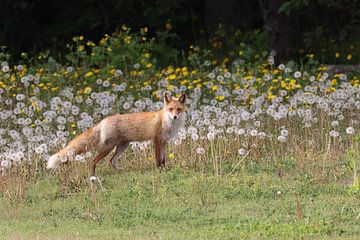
[283, 32]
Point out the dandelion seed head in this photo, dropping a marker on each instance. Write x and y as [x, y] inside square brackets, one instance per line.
[350, 130]
[241, 151]
[282, 138]
[297, 74]
[284, 133]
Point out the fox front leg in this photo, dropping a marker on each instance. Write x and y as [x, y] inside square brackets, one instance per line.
[159, 152]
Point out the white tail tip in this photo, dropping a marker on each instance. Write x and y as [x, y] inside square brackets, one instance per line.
[53, 162]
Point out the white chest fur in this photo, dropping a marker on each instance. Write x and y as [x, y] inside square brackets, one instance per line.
[172, 127]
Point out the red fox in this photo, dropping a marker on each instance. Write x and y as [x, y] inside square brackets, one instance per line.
[120, 129]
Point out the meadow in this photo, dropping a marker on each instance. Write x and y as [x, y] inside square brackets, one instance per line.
[269, 150]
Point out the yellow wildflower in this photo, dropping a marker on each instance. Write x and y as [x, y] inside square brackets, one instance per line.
[89, 74]
[87, 90]
[90, 44]
[172, 77]
[220, 98]
[168, 26]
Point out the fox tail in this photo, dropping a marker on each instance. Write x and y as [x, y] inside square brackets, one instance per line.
[82, 143]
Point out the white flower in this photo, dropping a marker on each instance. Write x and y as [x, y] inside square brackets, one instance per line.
[80, 158]
[297, 74]
[271, 60]
[118, 73]
[282, 138]
[126, 106]
[105, 111]
[288, 70]
[350, 130]
[69, 69]
[67, 104]
[334, 133]
[253, 132]
[262, 135]
[38, 150]
[71, 153]
[63, 159]
[200, 150]
[283, 93]
[194, 137]
[106, 83]
[257, 123]
[136, 66]
[211, 75]
[5, 68]
[99, 81]
[211, 135]
[241, 151]
[207, 63]
[89, 102]
[240, 131]
[335, 123]
[61, 120]
[281, 67]
[5, 164]
[20, 97]
[284, 132]
[79, 99]
[227, 74]
[220, 78]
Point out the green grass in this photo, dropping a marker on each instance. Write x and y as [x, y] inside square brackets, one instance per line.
[182, 204]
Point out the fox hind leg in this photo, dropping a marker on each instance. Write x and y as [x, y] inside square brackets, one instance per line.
[103, 153]
[114, 161]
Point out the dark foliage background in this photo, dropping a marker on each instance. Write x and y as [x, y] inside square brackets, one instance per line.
[292, 27]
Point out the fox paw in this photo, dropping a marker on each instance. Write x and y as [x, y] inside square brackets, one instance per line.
[116, 166]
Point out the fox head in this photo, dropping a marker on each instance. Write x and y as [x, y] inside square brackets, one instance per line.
[174, 106]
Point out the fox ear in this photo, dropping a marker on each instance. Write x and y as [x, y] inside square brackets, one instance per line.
[167, 98]
[182, 98]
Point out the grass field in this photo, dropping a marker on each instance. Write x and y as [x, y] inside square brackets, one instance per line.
[269, 150]
[255, 202]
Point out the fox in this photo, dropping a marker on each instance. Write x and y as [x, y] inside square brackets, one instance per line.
[118, 130]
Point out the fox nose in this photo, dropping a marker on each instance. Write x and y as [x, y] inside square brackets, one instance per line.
[175, 117]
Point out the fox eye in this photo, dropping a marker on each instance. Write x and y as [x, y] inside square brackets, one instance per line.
[171, 109]
[179, 109]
